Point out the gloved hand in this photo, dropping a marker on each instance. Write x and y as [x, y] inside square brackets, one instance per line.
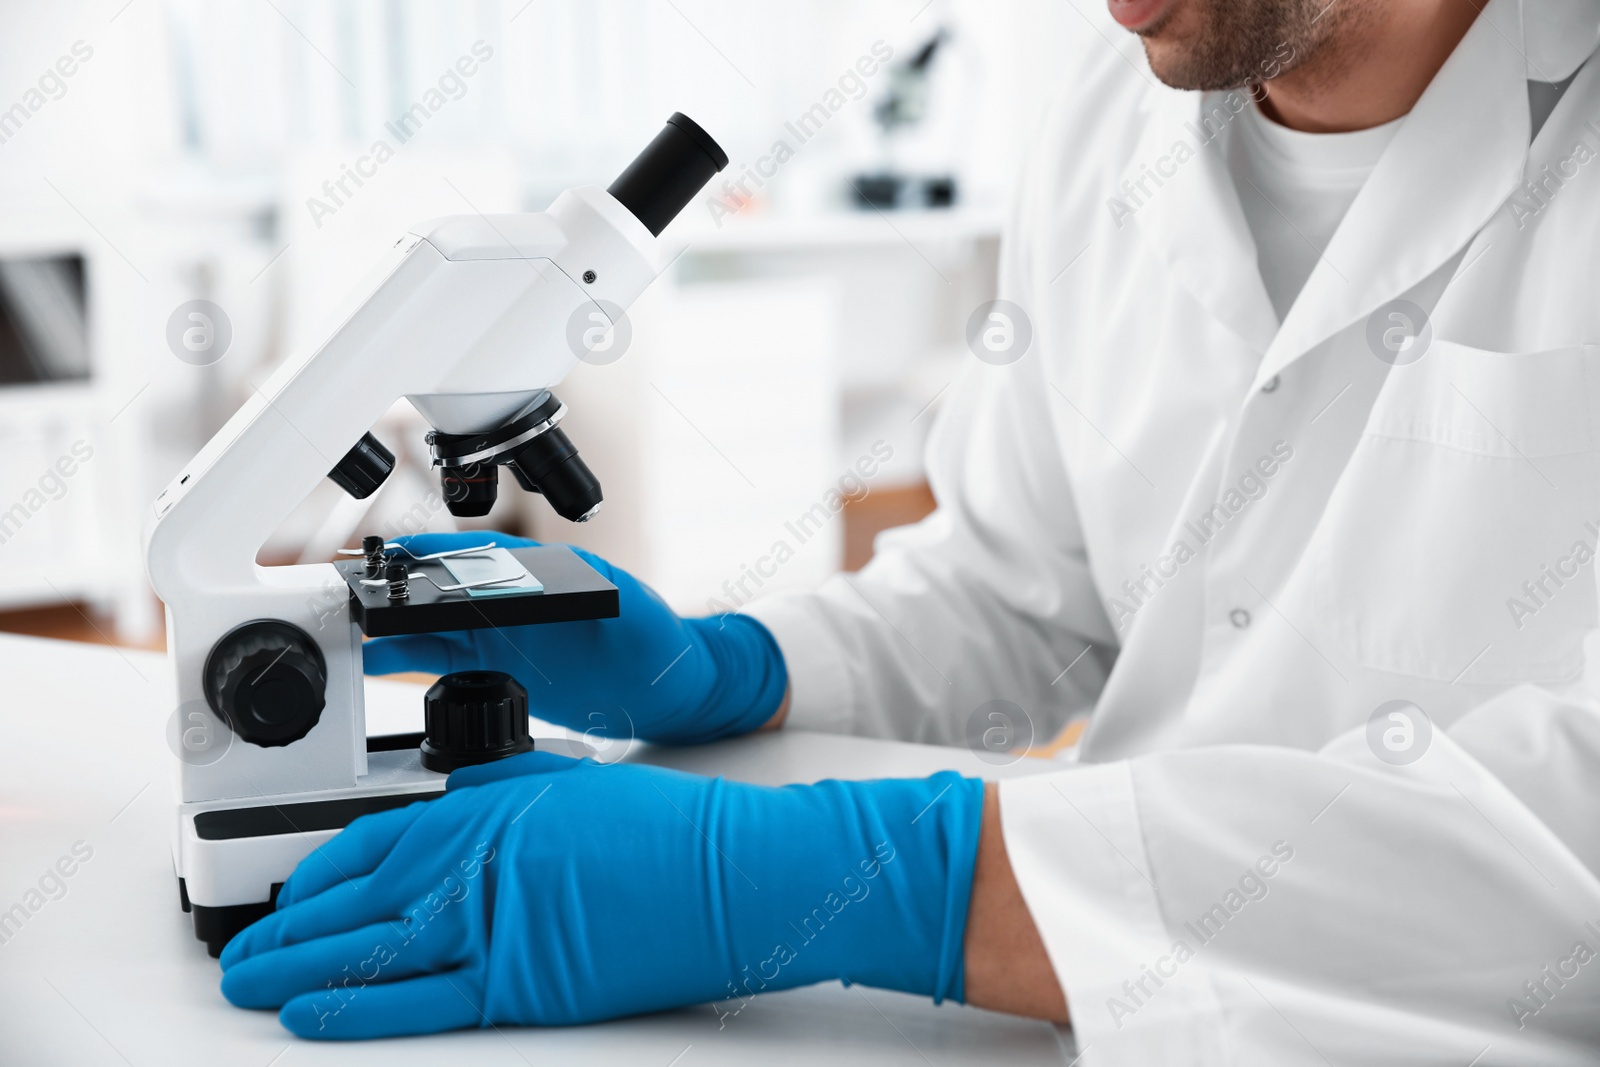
[549, 891]
[646, 673]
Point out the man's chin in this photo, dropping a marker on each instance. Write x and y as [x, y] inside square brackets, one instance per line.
[1170, 62]
[1168, 32]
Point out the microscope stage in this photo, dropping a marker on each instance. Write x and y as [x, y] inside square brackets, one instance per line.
[573, 590]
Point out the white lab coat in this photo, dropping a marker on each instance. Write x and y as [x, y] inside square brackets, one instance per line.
[1406, 507]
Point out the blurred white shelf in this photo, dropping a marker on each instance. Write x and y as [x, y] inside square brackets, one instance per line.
[841, 229]
[43, 402]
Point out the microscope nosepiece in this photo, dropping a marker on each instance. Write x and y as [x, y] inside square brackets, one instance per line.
[539, 453]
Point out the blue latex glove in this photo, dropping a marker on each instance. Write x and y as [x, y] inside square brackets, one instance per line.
[544, 890]
[646, 673]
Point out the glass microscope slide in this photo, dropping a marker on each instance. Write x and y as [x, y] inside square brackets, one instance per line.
[489, 565]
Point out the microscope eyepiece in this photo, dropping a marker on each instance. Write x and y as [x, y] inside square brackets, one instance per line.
[669, 172]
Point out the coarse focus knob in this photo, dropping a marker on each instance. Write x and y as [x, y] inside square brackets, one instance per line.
[267, 680]
[474, 717]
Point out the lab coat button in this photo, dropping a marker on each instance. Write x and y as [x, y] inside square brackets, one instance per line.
[1239, 617]
[1270, 384]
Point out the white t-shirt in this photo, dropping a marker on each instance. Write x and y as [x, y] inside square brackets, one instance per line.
[1294, 188]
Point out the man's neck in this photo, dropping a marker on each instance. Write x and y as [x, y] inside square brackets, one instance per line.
[1373, 70]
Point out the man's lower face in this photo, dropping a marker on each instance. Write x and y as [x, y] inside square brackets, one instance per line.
[1224, 44]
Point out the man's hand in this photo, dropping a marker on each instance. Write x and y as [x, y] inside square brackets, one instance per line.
[544, 890]
[646, 673]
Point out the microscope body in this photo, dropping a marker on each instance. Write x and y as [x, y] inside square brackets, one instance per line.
[467, 317]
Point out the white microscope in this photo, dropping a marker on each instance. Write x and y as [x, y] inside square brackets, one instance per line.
[468, 317]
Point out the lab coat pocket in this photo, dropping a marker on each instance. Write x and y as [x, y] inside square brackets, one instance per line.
[1459, 541]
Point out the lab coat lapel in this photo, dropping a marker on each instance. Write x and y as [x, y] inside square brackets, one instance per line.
[1559, 35]
[1193, 220]
[1452, 163]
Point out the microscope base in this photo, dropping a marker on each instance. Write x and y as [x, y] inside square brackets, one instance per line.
[217, 926]
[233, 856]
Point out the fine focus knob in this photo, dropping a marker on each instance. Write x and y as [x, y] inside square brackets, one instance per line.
[474, 717]
[363, 468]
[266, 680]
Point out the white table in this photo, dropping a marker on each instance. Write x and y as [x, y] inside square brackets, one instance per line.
[109, 971]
